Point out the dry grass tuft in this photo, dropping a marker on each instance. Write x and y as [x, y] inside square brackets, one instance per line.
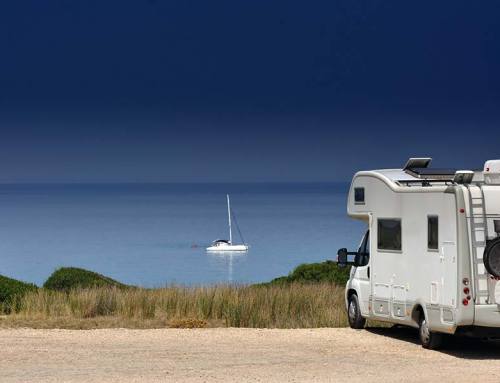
[187, 323]
[293, 305]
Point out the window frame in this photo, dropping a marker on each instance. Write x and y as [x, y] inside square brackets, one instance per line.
[431, 249]
[382, 250]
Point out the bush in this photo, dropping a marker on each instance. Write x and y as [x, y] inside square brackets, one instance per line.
[69, 278]
[11, 290]
[327, 271]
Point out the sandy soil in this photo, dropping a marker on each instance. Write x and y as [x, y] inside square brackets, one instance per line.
[239, 355]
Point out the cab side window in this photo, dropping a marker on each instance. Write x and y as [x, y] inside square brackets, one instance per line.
[364, 250]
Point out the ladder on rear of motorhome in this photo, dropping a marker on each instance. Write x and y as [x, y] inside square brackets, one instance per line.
[479, 235]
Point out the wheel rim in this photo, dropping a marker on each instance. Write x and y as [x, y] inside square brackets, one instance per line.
[352, 310]
[425, 334]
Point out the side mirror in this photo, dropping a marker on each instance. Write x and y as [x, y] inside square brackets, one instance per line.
[342, 257]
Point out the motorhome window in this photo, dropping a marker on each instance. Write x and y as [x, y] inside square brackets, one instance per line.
[359, 195]
[389, 234]
[433, 232]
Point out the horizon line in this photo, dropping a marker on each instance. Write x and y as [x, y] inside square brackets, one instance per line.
[165, 182]
[168, 182]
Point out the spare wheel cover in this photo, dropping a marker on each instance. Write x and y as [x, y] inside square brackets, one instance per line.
[492, 257]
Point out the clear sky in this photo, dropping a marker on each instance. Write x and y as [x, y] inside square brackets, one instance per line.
[240, 90]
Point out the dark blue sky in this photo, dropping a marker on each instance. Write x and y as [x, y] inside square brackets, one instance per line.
[260, 90]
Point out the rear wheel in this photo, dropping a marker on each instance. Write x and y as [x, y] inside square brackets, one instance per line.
[429, 339]
[356, 321]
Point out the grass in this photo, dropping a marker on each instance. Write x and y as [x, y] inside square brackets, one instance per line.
[312, 295]
[293, 305]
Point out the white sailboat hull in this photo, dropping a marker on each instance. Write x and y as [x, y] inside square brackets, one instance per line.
[228, 248]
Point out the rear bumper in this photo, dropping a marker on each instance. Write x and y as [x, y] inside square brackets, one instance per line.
[487, 316]
[486, 323]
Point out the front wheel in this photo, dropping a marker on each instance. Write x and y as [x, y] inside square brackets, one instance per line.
[356, 321]
[430, 340]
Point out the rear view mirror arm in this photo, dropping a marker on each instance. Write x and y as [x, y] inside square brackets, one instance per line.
[351, 253]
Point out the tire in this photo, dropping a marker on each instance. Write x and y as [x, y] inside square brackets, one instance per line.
[356, 321]
[429, 339]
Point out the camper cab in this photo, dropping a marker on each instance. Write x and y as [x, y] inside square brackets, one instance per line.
[430, 257]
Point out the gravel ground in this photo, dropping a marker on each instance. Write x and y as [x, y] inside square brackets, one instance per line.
[240, 355]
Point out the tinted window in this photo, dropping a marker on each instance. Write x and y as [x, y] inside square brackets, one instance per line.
[433, 232]
[364, 250]
[389, 234]
[359, 195]
[365, 246]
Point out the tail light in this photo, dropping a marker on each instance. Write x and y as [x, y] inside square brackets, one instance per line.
[466, 291]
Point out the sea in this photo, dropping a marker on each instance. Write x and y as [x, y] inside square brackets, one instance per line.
[154, 235]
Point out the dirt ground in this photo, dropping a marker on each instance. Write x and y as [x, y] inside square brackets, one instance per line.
[240, 355]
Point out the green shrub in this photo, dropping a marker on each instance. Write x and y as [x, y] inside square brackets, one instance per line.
[69, 278]
[327, 271]
[11, 290]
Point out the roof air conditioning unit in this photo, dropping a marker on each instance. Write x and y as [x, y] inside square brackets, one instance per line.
[492, 172]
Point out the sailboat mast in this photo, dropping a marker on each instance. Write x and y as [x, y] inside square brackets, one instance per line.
[229, 218]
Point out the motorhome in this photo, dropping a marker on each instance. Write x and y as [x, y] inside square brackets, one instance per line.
[430, 257]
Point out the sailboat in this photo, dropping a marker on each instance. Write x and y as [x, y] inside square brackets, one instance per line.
[227, 245]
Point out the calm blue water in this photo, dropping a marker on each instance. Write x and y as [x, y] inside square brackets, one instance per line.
[144, 233]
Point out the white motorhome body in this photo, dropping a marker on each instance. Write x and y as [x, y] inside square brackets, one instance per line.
[421, 259]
